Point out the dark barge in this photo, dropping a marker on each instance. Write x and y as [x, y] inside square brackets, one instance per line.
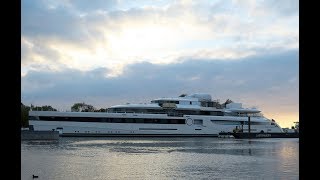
[246, 135]
[242, 135]
[239, 134]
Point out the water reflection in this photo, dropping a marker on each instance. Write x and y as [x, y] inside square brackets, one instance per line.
[41, 142]
[160, 158]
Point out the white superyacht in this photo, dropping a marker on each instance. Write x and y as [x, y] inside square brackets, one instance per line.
[186, 115]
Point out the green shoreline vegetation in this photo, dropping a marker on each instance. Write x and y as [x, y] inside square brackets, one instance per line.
[77, 107]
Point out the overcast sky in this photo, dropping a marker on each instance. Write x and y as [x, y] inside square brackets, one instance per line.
[107, 52]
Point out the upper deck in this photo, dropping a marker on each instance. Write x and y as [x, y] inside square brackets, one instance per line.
[196, 104]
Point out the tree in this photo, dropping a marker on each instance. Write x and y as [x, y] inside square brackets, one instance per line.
[43, 108]
[24, 115]
[25, 112]
[183, 95]
[82, 107]
[100, 110]
[48, 108]
[228, 101]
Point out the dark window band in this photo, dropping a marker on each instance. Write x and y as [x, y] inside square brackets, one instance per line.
[155, 129]
[110, 120]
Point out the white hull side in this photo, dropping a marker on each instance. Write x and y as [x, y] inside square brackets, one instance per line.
[83, 128]
[132, 129]
[208, 128]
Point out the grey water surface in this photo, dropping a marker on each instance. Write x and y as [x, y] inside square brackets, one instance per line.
[160, 158]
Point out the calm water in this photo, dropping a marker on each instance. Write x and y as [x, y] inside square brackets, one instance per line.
[160, 158]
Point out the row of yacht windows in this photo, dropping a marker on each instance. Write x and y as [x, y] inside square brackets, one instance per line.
[108, 120]
[243, 114]
[203, 104]
[165, 101]
[138, 120]
[224, 122]
[169, 112]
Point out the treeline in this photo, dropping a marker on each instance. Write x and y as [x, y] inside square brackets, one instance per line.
[25, 112]
[77, 107]
[83, 107]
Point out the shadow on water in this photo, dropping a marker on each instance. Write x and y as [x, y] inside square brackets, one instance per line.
[41, 142]
[147, 145]
[242, 152]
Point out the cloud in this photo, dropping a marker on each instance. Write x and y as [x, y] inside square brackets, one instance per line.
[115, 33]
[253, 79]
[110, 52]
[84, 6]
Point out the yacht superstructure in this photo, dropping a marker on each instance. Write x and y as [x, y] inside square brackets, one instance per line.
[193, 115]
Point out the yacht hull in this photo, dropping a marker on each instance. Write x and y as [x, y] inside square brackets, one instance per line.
[134, 124]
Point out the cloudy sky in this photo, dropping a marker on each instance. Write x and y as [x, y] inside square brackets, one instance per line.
[107, 52]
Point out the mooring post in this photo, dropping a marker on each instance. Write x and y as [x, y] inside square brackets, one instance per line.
[249, 128]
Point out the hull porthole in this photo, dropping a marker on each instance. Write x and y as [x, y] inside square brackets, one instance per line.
[189, 121]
